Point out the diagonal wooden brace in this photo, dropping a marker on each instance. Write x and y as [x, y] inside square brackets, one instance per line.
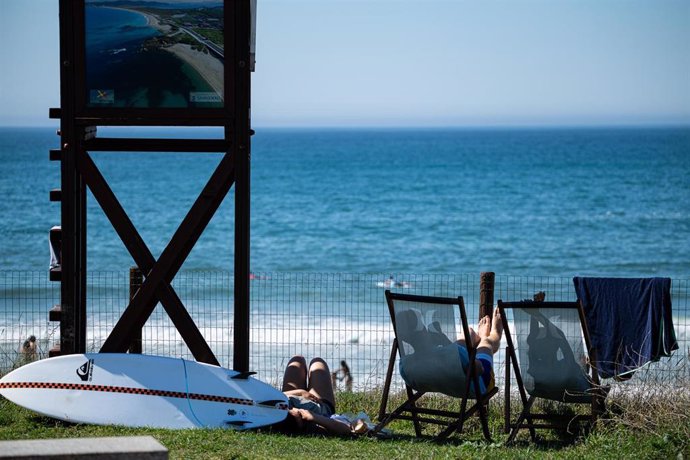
[170, 261]
[145, 260]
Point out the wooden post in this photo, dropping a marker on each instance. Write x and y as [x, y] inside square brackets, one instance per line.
[239, 132]
[136, 279]
[486, 297]
[486, 294]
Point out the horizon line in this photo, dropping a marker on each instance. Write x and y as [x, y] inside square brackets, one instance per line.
[678, 124]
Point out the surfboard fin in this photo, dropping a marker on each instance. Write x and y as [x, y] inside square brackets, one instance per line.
[243, 375]
[271, 402]
[239, 423]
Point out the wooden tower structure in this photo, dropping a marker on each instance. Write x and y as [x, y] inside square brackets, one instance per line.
[79, 122]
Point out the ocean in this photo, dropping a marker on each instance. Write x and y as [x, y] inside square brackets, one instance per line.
[335, 211]
[556, 202]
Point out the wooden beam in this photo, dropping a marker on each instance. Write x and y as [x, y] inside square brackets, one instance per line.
[173, 256]
[144, 259]
[105, 144]
[486, 294]
[136, 278]
[241, 137]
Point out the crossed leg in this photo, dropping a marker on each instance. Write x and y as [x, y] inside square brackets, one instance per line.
[490, 333]
[487, 338]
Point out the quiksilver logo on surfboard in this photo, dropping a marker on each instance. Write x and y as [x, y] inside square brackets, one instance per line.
[85, 371]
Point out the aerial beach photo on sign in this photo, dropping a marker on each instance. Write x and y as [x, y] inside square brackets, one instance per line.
[149, 54]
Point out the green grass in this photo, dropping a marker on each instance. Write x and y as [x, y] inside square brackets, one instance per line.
[637, 427]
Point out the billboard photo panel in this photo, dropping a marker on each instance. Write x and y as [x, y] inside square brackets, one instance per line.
[145, 54]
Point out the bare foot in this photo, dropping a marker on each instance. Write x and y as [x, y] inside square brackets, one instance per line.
[496, 329]
[484, 327]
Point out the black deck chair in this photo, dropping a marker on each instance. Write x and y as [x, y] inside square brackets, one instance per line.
[550, 352]
[425, 340]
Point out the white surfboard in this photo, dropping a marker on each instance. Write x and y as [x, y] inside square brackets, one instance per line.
[143, 391]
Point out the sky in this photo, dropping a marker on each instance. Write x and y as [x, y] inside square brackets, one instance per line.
[353, 63]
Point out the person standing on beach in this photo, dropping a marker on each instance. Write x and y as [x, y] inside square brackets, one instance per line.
[27, 351]
[343, 374]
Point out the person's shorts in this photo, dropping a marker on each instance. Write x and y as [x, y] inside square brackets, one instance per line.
[487, 377]
[323, 408]
[487, 380]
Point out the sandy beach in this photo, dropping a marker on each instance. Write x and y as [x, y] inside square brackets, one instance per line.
[209, 67]
[154, 22]
[151, 20]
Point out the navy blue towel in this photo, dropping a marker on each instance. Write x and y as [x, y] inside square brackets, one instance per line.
[629, 320]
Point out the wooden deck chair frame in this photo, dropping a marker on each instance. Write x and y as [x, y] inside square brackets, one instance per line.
[527, 419]
[452, 421]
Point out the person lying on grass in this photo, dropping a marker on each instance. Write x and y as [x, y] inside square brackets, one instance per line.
[311, 399]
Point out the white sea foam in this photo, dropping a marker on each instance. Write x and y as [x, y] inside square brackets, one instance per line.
[364, 345]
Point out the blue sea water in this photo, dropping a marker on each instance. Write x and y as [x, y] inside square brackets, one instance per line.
[110, 27]
[559, 202]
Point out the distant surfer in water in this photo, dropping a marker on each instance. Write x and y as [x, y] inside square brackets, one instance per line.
[311, 399]
[392, 283]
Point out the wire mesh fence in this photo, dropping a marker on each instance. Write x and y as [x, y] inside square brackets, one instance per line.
[337, 316]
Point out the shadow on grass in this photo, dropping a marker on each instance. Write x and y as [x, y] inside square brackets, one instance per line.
[47, 422]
